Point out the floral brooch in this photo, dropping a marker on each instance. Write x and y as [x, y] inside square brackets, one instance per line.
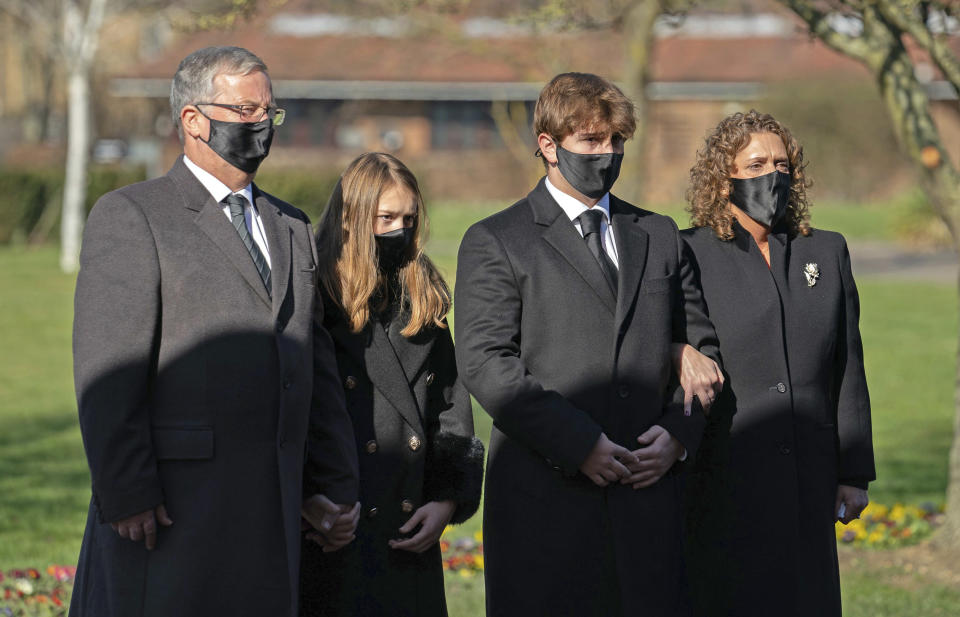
[812, 272]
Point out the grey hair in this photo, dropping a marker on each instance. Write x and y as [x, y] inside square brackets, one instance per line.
[193, 81]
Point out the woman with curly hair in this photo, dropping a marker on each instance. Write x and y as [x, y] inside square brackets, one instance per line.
[788, 449]
[420, 465]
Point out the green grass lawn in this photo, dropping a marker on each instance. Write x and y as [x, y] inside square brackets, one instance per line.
[909, 333]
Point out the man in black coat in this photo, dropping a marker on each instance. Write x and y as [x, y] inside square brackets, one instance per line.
[568, 303]
[208, 394]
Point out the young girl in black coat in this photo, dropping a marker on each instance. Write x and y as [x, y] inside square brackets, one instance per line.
[420, 465]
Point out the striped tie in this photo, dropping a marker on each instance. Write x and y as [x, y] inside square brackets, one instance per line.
[236, 204]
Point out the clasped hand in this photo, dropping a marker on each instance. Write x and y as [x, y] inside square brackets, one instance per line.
[700, 377]
[609, 462]
[331, 525]
[433, 518]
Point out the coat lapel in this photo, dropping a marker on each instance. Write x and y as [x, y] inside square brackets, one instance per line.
[279, 240]
[384, 370]
[562, 236]
[211, 220]
[632, 242]
[411, 352]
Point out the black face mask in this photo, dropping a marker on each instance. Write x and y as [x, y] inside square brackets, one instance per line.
[763, 198]
[591, 174]
[392, 248]
[242, 144]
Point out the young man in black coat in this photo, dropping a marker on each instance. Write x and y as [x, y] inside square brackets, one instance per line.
[568, 303]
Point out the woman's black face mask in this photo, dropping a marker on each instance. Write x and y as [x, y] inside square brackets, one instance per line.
[764, 198]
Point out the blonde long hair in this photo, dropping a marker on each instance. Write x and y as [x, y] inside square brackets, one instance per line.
[349, 268]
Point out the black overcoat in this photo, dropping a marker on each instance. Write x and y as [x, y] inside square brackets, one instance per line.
[413, 423]
[556, 358]
[792, 423]
[194, 389]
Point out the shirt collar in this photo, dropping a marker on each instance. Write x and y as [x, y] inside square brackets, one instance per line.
[573, 207]
[218, 189]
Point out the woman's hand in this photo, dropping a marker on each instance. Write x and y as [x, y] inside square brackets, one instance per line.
[432, 517]
[333, 525]
[853, 499]
[699, 376]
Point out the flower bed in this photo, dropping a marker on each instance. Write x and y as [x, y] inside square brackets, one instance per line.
[31, 593]
[883, 526]
[462, 555]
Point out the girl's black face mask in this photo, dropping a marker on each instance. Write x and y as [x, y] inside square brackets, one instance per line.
[242, 144]
[392, 248]
[764, 198]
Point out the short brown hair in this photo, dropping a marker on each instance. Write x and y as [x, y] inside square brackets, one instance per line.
[710, 184]
[572, 101]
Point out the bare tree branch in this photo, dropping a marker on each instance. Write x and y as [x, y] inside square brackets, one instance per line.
[906, 15]
[819, 24]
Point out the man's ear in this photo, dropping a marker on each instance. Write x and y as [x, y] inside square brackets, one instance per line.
[192, 122]
[548, 148]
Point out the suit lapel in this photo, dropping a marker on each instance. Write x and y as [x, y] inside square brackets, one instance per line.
[384, 370]
[563, 236]
[279, 242]
[632, 241]
[211, 220]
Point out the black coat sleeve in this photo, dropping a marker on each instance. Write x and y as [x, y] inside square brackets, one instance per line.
[116, 319]
[330, 466]
[856, 465]
[489, 307]
[691, 325]
[454, 465]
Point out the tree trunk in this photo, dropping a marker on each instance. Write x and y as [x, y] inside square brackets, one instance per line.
[78, 158]
[638, 40]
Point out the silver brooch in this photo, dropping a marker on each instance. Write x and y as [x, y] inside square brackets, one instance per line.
[812, 272]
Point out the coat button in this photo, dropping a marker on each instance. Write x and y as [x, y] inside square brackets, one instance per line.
[286, 385]
[350, 382]
[781, 387]
[414, 443]
[371, 446]
[784, 449]
[372, 512]
[407, 506]
[623, 391]
[430, 378]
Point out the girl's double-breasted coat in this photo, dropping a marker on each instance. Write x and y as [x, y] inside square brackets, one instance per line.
[792, 423]
[413, 424]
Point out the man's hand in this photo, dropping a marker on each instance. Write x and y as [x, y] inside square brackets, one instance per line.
[854, 500]
[334, 525]
[657, 453]
[143, 526]
[432, 517]
[699, 376]
[605, 463]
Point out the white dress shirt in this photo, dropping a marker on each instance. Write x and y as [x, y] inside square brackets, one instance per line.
[573, 208]
[219, 190]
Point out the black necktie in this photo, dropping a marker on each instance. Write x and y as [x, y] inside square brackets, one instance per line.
[236, 204]
[590, 223]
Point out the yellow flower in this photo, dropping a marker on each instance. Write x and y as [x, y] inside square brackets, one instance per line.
[465, 573]
[875, 536]
[875, 511]
[478, 536]
[479, 562]
[898, 514]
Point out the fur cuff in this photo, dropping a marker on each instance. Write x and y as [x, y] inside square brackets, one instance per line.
[454, 470]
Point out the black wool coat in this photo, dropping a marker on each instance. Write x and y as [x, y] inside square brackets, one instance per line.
[413, 423]
[199, 390]
[556, 358]
[792, 423]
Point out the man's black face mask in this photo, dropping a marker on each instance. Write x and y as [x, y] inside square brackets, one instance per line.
[242, 144]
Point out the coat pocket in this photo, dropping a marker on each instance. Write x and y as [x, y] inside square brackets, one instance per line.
[655, 286]
[183, 442]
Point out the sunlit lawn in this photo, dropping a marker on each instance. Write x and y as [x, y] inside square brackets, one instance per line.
[909, 333]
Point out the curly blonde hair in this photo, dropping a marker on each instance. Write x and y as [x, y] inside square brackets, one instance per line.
[710, 184]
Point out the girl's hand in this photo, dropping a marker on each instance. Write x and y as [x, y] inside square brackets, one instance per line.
[432, 517]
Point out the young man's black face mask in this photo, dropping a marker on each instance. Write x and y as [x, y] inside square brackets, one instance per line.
[593, 175]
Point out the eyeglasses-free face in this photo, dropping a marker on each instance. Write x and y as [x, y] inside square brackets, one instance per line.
[253, 113]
